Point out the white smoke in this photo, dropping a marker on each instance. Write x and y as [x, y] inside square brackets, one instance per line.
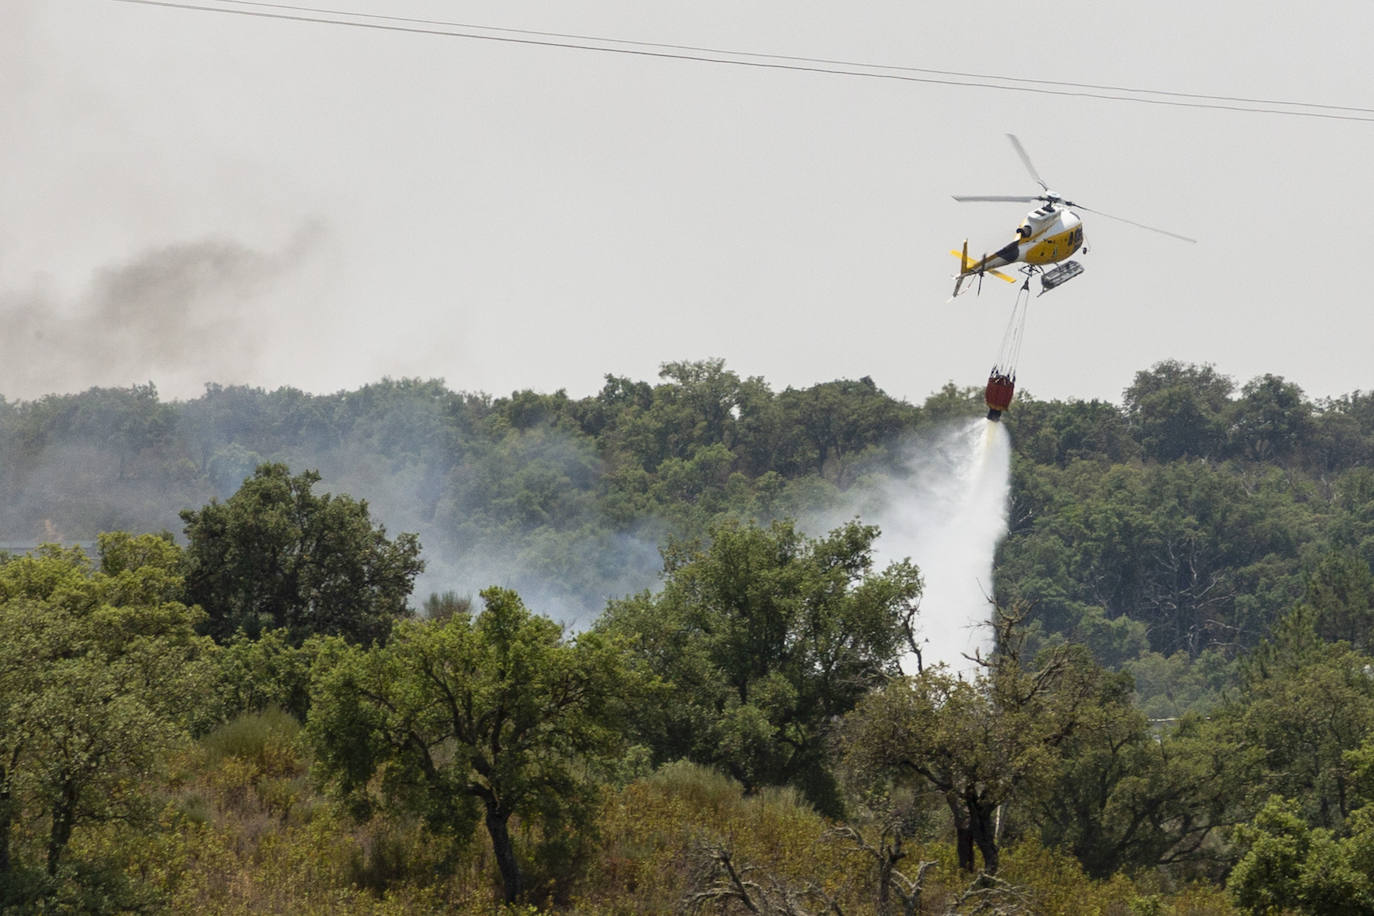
[946, 511]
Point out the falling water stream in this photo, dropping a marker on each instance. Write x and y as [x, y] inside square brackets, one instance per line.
[948, 512]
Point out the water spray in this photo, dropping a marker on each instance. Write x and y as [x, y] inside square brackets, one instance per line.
[947, 510]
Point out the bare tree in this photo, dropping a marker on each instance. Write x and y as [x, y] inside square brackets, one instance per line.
[891, 882]
[730, 887]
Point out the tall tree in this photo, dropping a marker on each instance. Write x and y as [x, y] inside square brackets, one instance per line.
[1273, 421]
[491, 717]
[1304, 704]
[1125, 795]
[275, 554]
[978, 742]
[98, 674]
[1179, 410]
[1340, 594]
[765, 637]
[840, 420]
[1288, 866]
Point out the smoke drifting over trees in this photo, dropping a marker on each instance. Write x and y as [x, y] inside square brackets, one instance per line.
[1193, 561]
[568, 500]
[943, 503]
[182, 314]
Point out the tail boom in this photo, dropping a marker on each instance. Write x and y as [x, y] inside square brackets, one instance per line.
[968, 267]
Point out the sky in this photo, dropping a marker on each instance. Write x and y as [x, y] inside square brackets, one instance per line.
[193, 197]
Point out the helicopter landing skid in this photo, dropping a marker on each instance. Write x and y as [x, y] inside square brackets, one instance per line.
[1058, 276]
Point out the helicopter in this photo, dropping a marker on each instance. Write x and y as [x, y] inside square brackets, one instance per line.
[1049, 234]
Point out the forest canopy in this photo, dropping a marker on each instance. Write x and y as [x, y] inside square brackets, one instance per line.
[1178, 711]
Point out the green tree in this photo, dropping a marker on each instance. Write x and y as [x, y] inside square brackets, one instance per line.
[1304, 704]
[600, 414]
[100, 672]
[255, 674]
[695, 406]
[1275, 847]
[1288, 866]
[979, 742]
[1124, 795]
[1179, 410]
[1341, 435]
[488, 718]
[275, 554]
[765, 637]
[841, 420]
[953, 403]
[1340, 595]
[1273, 421]
[1204, 557]
[705, 396]
[1057, 432]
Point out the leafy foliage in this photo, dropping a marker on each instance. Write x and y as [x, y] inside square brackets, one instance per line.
[491, 717]
[99, 670]
[277, 555]
[979, 742]
[1290, 867]
[1206, 543]
[764, 638]
[1189, 518]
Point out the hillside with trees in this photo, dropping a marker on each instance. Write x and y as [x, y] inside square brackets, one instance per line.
[405, 649]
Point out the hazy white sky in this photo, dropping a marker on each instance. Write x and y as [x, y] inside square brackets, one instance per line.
[191, 197]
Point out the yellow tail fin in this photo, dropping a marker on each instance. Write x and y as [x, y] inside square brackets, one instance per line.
[963, 270]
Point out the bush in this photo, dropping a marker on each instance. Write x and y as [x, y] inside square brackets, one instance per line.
[267, 740]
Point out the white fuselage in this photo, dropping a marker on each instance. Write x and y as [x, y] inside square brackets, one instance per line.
[1046, 236]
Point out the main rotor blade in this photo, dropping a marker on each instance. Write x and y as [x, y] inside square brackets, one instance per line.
[1122, 219]
[1025, 160]
[1000, 198]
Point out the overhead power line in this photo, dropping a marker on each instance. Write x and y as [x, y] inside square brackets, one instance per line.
[321, 16]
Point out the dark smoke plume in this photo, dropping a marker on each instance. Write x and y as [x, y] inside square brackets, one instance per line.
[178, 315]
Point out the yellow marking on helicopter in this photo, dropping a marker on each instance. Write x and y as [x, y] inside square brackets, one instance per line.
[1048, 235]
[1056, 247]
[969, 268]
[972, 267]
